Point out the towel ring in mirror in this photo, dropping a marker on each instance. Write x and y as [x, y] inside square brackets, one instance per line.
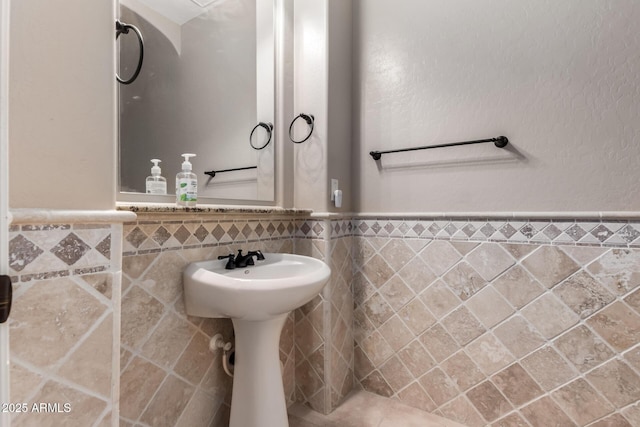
[122, 28]
[268, 127]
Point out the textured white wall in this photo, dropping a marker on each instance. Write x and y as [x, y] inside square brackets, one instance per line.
[62, 104]
[560, 79]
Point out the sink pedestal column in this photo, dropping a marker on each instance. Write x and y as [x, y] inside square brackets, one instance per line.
[258, 394]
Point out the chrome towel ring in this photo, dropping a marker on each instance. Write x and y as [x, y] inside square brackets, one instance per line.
[310, 121]
[268, 127]
[122, 28]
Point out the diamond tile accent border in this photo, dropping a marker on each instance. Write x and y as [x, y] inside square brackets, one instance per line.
[38, 252]
[556, 232]
[155, 236]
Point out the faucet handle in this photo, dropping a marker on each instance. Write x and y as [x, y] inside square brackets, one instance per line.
[231, 264]
[258, 254]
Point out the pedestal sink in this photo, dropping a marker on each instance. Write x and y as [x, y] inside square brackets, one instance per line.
[258, 299]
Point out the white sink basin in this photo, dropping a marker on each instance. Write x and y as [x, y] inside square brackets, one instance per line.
[277, 285]
[258, 300]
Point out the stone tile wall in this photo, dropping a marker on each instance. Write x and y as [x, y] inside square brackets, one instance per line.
[63, 323]
[501, 323]
[168, 375]
[324, 326]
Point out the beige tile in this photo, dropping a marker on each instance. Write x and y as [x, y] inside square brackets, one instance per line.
[90, 365]
[46, 321]
[376, 383]
[416, 316]
[511, 420]
[516, 385]
[549, 315]
[581, 402]
[518, 286]
[306, 337]
[615, 420]
[199, 411]
[439, 386]
[101, 282]
[362, 251]
[632, 413]
[439, 299]
[440, 256]
[138, 384]
[463, 326]
[488, 401]
[134, 266]
[489, 354]
[618, 325]
[583, 348]
[216, 382]
[22, 381]
[396, 333]
[362, 364]
[462, 411]
[461, 369]
[415, 358]
[548, 368]
[583, 294]
[169, 340]
[140, 313]
[489, 307]
[396, 293]
[376, 348]
[195, 360]
[517, 250]
[519, 336]
[416, 397]
[619, 269]
[163, 279]
[377, 309]
[489, 259]
[397, 253]
[545, 413]
[307, 380]
[583, 255]
[617, 382]
[417, 275]
[550, 265]
[439, 343]
[396, 375]
[464, 281]
[85, 410]
[634, 300]
[377, 271]
[168, 403]
[464, 247]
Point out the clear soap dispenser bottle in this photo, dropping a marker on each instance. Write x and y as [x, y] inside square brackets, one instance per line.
[156, 184]
[186, 184]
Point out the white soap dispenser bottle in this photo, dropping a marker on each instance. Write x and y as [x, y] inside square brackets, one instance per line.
[156, 184]
[186, 184]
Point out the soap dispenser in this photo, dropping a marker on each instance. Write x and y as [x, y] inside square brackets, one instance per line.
[156, 184]
[186, 184]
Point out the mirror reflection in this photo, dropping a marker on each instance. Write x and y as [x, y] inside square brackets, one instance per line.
[206, 84]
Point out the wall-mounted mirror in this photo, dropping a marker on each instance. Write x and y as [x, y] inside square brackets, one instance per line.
[207, 80]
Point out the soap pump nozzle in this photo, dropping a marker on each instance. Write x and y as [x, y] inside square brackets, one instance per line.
[155, 170]
[186, 165]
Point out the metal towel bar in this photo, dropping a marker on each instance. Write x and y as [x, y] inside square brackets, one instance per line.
[500, 142]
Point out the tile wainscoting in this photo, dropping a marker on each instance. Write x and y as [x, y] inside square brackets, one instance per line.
[64, 322]
[501, 322]
[485, 322]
